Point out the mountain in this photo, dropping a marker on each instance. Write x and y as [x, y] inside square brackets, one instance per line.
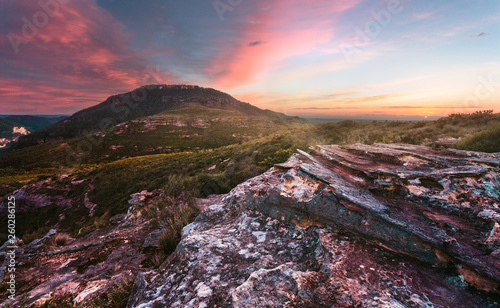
[170, 119]
[34, 122]
[142, 102]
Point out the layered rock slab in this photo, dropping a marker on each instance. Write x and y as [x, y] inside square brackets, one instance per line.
[343, 226]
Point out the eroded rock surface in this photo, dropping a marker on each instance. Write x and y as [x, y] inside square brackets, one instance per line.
[343, 226]
[84, 268]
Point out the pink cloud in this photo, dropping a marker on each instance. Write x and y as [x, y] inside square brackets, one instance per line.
[288, 28]
[72, 62]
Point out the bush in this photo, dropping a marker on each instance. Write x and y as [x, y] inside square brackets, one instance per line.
[278, 157]
[347, 123]
[484, 141]
[61, 239]
[38, 233]
[102, 221]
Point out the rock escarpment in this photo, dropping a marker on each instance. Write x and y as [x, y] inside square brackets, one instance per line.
[343, 226]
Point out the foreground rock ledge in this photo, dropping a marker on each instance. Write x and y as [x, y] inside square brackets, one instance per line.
[344, 226]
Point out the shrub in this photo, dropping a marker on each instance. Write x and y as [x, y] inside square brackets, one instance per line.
[102, 221]
[157, 259]
[278, 157]
[170, 238]
[61, 239]
[484, 141]
[347, 123]
[38, 233]
[419, 124]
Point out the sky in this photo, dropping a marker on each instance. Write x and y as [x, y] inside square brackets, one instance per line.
[326, 58]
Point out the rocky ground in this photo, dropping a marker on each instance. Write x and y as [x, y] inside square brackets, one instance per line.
[354, 226]
[85, 268]
[343, 226]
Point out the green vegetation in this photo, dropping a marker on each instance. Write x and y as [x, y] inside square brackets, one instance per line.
[6, 127]
[192, 128]
[212, 163]
[278, 157]
[65, 301]
[487, 140]
[177, 216]
[174, 213]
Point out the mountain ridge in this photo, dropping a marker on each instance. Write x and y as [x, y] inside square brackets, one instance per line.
[144, 101]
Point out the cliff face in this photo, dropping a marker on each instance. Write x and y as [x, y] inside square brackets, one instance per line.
[364, 226]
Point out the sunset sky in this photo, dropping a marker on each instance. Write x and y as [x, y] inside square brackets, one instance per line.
[324, 58]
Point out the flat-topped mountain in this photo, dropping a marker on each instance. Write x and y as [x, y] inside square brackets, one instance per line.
[142, 102]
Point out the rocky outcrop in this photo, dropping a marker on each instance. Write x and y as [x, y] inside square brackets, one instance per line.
[83, 269]
[343, 226]
[339, 226]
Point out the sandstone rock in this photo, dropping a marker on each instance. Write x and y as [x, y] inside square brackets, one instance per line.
[141, 198]
[85, 267]
[152, 239]
[344, 226]
[339, 226]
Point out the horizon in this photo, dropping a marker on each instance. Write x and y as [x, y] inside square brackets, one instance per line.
[356, 59]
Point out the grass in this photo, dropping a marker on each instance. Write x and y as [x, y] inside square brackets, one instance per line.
[176, 213]
[61, 239]
[65, 301]
[220, 128]
[177, 173]
[12, 179]
[420, 133]
[115, 297]
[177, 218]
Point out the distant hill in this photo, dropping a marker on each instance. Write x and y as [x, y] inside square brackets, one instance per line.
[142, 102]
[34, 122]
[9, 132]
[6, 128]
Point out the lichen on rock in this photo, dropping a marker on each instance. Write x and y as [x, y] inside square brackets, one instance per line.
[343, 226]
